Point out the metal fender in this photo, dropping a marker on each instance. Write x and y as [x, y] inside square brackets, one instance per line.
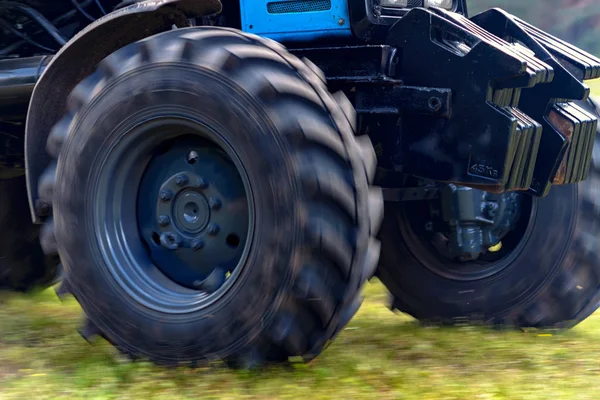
[77, 59]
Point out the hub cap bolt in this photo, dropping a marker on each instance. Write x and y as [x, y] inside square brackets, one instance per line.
[170, 240]
[214, 203]
[164, 220]
[201, 183]
[197, 244]
[213, 229]
[166, 195]
[181, 180]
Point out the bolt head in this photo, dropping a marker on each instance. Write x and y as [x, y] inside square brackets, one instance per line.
[201, 183]
[164, 220]
[181, 180]
[214, 203]
[170, 240]
[166, 195]
[197, 244]
[213, 229]
[435, 104]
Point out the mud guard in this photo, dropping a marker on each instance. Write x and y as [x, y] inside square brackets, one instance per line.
[74, 61]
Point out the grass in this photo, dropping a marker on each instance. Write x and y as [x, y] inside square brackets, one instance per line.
[380, 355]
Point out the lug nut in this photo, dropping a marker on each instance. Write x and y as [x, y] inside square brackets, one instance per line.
[170, 240]
[214, 203]
[197, 244]
[213, 229]
[166, 195]
[201, 183]
[164, 220]
[181, 180]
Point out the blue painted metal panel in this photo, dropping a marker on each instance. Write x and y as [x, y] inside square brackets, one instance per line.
[294, 20]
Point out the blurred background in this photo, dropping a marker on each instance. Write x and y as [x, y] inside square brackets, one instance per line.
[576, 21]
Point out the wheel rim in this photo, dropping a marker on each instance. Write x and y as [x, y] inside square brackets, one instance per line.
[173, 214]
[413, 218]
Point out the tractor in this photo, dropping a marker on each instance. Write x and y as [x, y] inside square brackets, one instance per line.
[216, 180]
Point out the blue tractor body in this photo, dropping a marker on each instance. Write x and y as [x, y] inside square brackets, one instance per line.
[296, 20]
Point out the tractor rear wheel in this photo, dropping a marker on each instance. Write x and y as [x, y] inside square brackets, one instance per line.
[210, 201]
[23, 265]
[547, 275]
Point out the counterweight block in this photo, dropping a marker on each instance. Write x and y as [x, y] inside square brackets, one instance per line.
[511, 126]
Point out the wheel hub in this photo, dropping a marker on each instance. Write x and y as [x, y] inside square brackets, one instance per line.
[193, 213]
[467, 234]
[189, 207]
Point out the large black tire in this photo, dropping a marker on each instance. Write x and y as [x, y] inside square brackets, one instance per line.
[316, 215]
[23, 265]
[551, 281]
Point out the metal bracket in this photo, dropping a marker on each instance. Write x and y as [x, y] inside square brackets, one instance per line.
[397, 99]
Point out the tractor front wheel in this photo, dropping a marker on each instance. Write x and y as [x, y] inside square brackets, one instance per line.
[210, 201]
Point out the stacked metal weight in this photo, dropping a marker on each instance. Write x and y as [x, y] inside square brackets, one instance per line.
[514, 123]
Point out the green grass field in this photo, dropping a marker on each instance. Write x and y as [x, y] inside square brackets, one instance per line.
[380, 355]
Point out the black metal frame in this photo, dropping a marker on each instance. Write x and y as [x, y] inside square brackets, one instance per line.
[371, 23]
[471, 132]
[366, 73]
